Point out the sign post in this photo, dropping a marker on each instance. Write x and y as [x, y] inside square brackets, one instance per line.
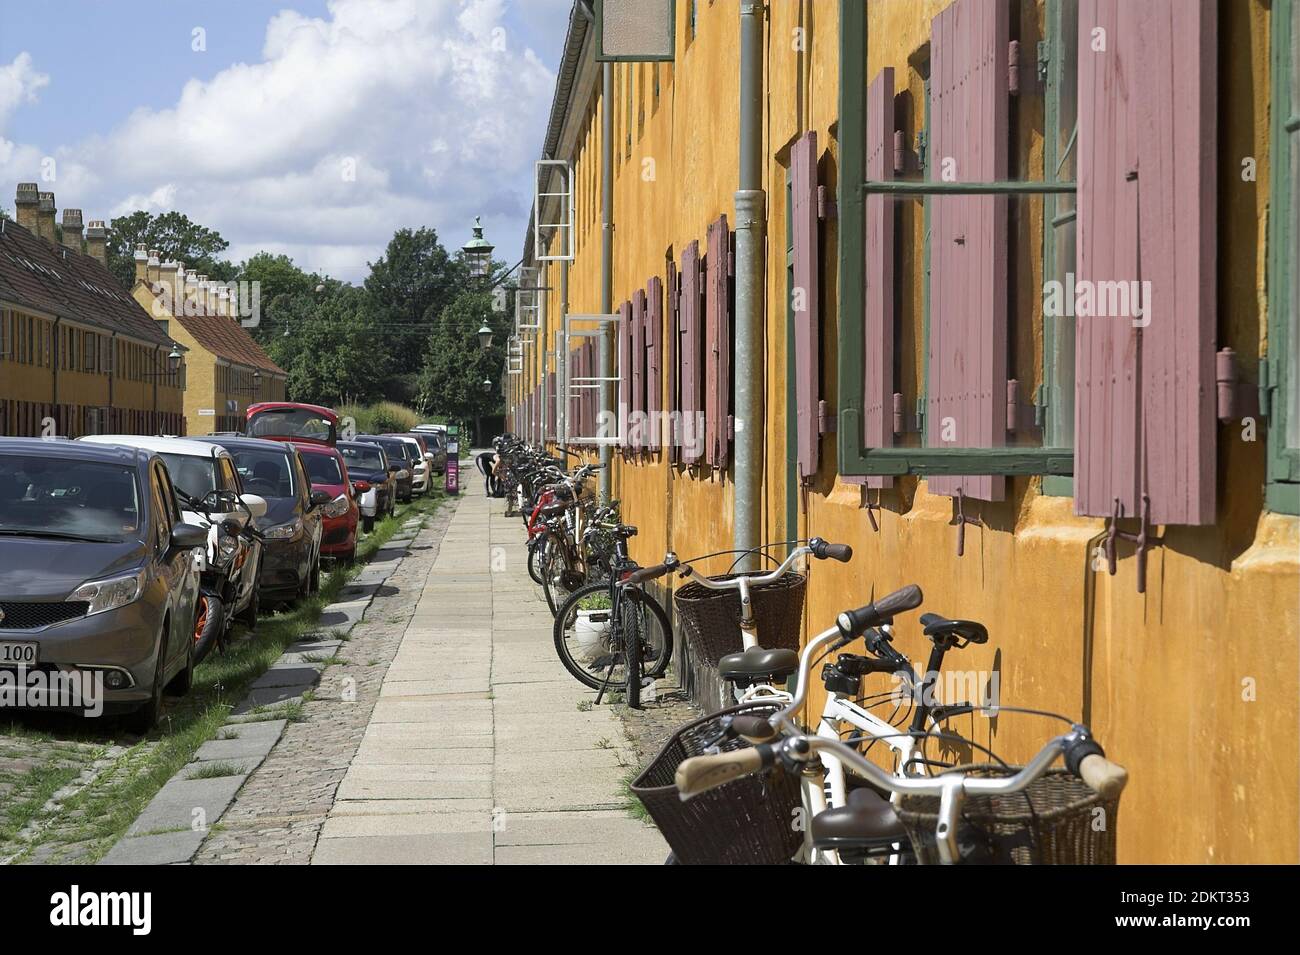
[451, 477]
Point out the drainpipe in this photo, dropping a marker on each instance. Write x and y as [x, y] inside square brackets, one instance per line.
[751, 212]
[564, 348]
[606, 259]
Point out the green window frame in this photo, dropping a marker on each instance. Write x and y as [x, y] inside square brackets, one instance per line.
[1058, 61]
[853, 188]
[1279, 394]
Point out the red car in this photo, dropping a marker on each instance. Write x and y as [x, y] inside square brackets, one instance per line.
[329, 473]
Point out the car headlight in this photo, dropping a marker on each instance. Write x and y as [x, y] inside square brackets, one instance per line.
[337, 507]
[283, 531]
[109, 594]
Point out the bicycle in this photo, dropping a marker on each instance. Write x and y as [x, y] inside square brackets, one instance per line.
[775, 746]
[613, 623]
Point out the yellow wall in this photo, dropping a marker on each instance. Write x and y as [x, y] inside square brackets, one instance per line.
[1165, 678]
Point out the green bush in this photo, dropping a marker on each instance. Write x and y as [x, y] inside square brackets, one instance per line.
[381, 418]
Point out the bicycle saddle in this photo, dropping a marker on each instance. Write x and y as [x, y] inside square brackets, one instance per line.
[942, 630]
[868, 820]
[753, 664]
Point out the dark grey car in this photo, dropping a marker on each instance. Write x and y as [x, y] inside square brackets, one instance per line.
[291, 528]
[97, 572]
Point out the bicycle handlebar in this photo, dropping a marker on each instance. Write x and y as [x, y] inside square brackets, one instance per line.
[854, 623]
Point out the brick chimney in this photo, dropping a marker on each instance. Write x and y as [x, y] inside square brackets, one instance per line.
[72, 230]
[26, 204]
[154, 261]
[97, 241]
[141, 263]
[45, 218]
[168, 271]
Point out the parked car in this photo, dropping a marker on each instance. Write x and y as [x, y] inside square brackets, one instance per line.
[291, 527]
[421, 474]
[212, 497]
[395, 448]
[97, 570]
[328, 472]
[434, 448]
[291, 421]
[373, 480]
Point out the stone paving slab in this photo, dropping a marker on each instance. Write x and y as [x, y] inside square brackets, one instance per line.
[163, 849]
[472, 848]
[175, 805]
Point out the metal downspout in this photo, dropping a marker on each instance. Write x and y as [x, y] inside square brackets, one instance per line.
[606, 260]
[751, 224]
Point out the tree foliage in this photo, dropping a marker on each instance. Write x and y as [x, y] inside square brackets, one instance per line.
[174, 236]
[455, 366]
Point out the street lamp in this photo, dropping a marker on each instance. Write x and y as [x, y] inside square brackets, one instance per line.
[487, 385]
[484, 337]
[478, 252]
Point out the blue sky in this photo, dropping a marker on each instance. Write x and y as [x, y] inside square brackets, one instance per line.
[309, 127]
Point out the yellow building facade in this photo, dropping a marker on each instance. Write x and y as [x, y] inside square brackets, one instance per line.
[1191, 677]
[77, 354]
[226, 369]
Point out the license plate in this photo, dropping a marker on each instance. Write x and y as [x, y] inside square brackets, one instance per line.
[14, 653]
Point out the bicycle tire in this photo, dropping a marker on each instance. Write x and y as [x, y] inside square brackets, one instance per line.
[552, 576]
[575, 668]
[631, 662]
[535, 562]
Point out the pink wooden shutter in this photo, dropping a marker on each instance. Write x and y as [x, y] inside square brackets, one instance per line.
[805, 300]
[878, 376]
[717, 355]
[589, 363]
[692, 407]
[1144, 405]
[966, 400]
[624, 359]
[580, 367]
[672, 364]
[638, 370]
[654, 331]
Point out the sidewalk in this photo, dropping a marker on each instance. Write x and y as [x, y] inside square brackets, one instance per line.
[477, 751]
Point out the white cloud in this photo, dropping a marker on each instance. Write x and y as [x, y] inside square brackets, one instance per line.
[19, 83]
[386, 113]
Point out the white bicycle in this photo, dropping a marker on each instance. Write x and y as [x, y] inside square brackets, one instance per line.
[758, 675]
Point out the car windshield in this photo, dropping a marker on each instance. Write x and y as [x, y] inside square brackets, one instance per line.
[291, 423]
[265, 473]
[194, 476]
[58, 497]
[362, 458]
[322, 468]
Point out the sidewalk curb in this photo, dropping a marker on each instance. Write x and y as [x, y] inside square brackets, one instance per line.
[172, 827]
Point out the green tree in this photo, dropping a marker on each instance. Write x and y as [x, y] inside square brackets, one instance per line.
[330, 345]
[411, 284]
[174, 236]
[456, 366]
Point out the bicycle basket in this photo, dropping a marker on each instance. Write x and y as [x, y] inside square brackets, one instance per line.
[748, 821]
[1057, 820]
[712, 617]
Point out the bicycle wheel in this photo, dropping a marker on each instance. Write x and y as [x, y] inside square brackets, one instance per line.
[584, 640]
[535, 561]
[630, 632]
[560, 577]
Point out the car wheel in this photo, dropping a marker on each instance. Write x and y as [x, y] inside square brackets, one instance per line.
[144, 719]
[183, 681]
[315, 576]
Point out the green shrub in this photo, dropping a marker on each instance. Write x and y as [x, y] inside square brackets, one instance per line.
[381, 418]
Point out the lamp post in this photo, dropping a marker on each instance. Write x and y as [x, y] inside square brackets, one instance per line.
[484, 337]
[478, 252]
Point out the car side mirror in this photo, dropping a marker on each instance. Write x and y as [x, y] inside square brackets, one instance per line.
[320, 498]
[256, 505]
[188, 536]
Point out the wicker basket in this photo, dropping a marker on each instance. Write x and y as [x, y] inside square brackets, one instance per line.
[1055, 821]
[748, 821]
[712, 617]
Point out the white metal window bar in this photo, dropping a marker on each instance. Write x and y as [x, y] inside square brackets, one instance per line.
[563, 203]
[574, 385]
